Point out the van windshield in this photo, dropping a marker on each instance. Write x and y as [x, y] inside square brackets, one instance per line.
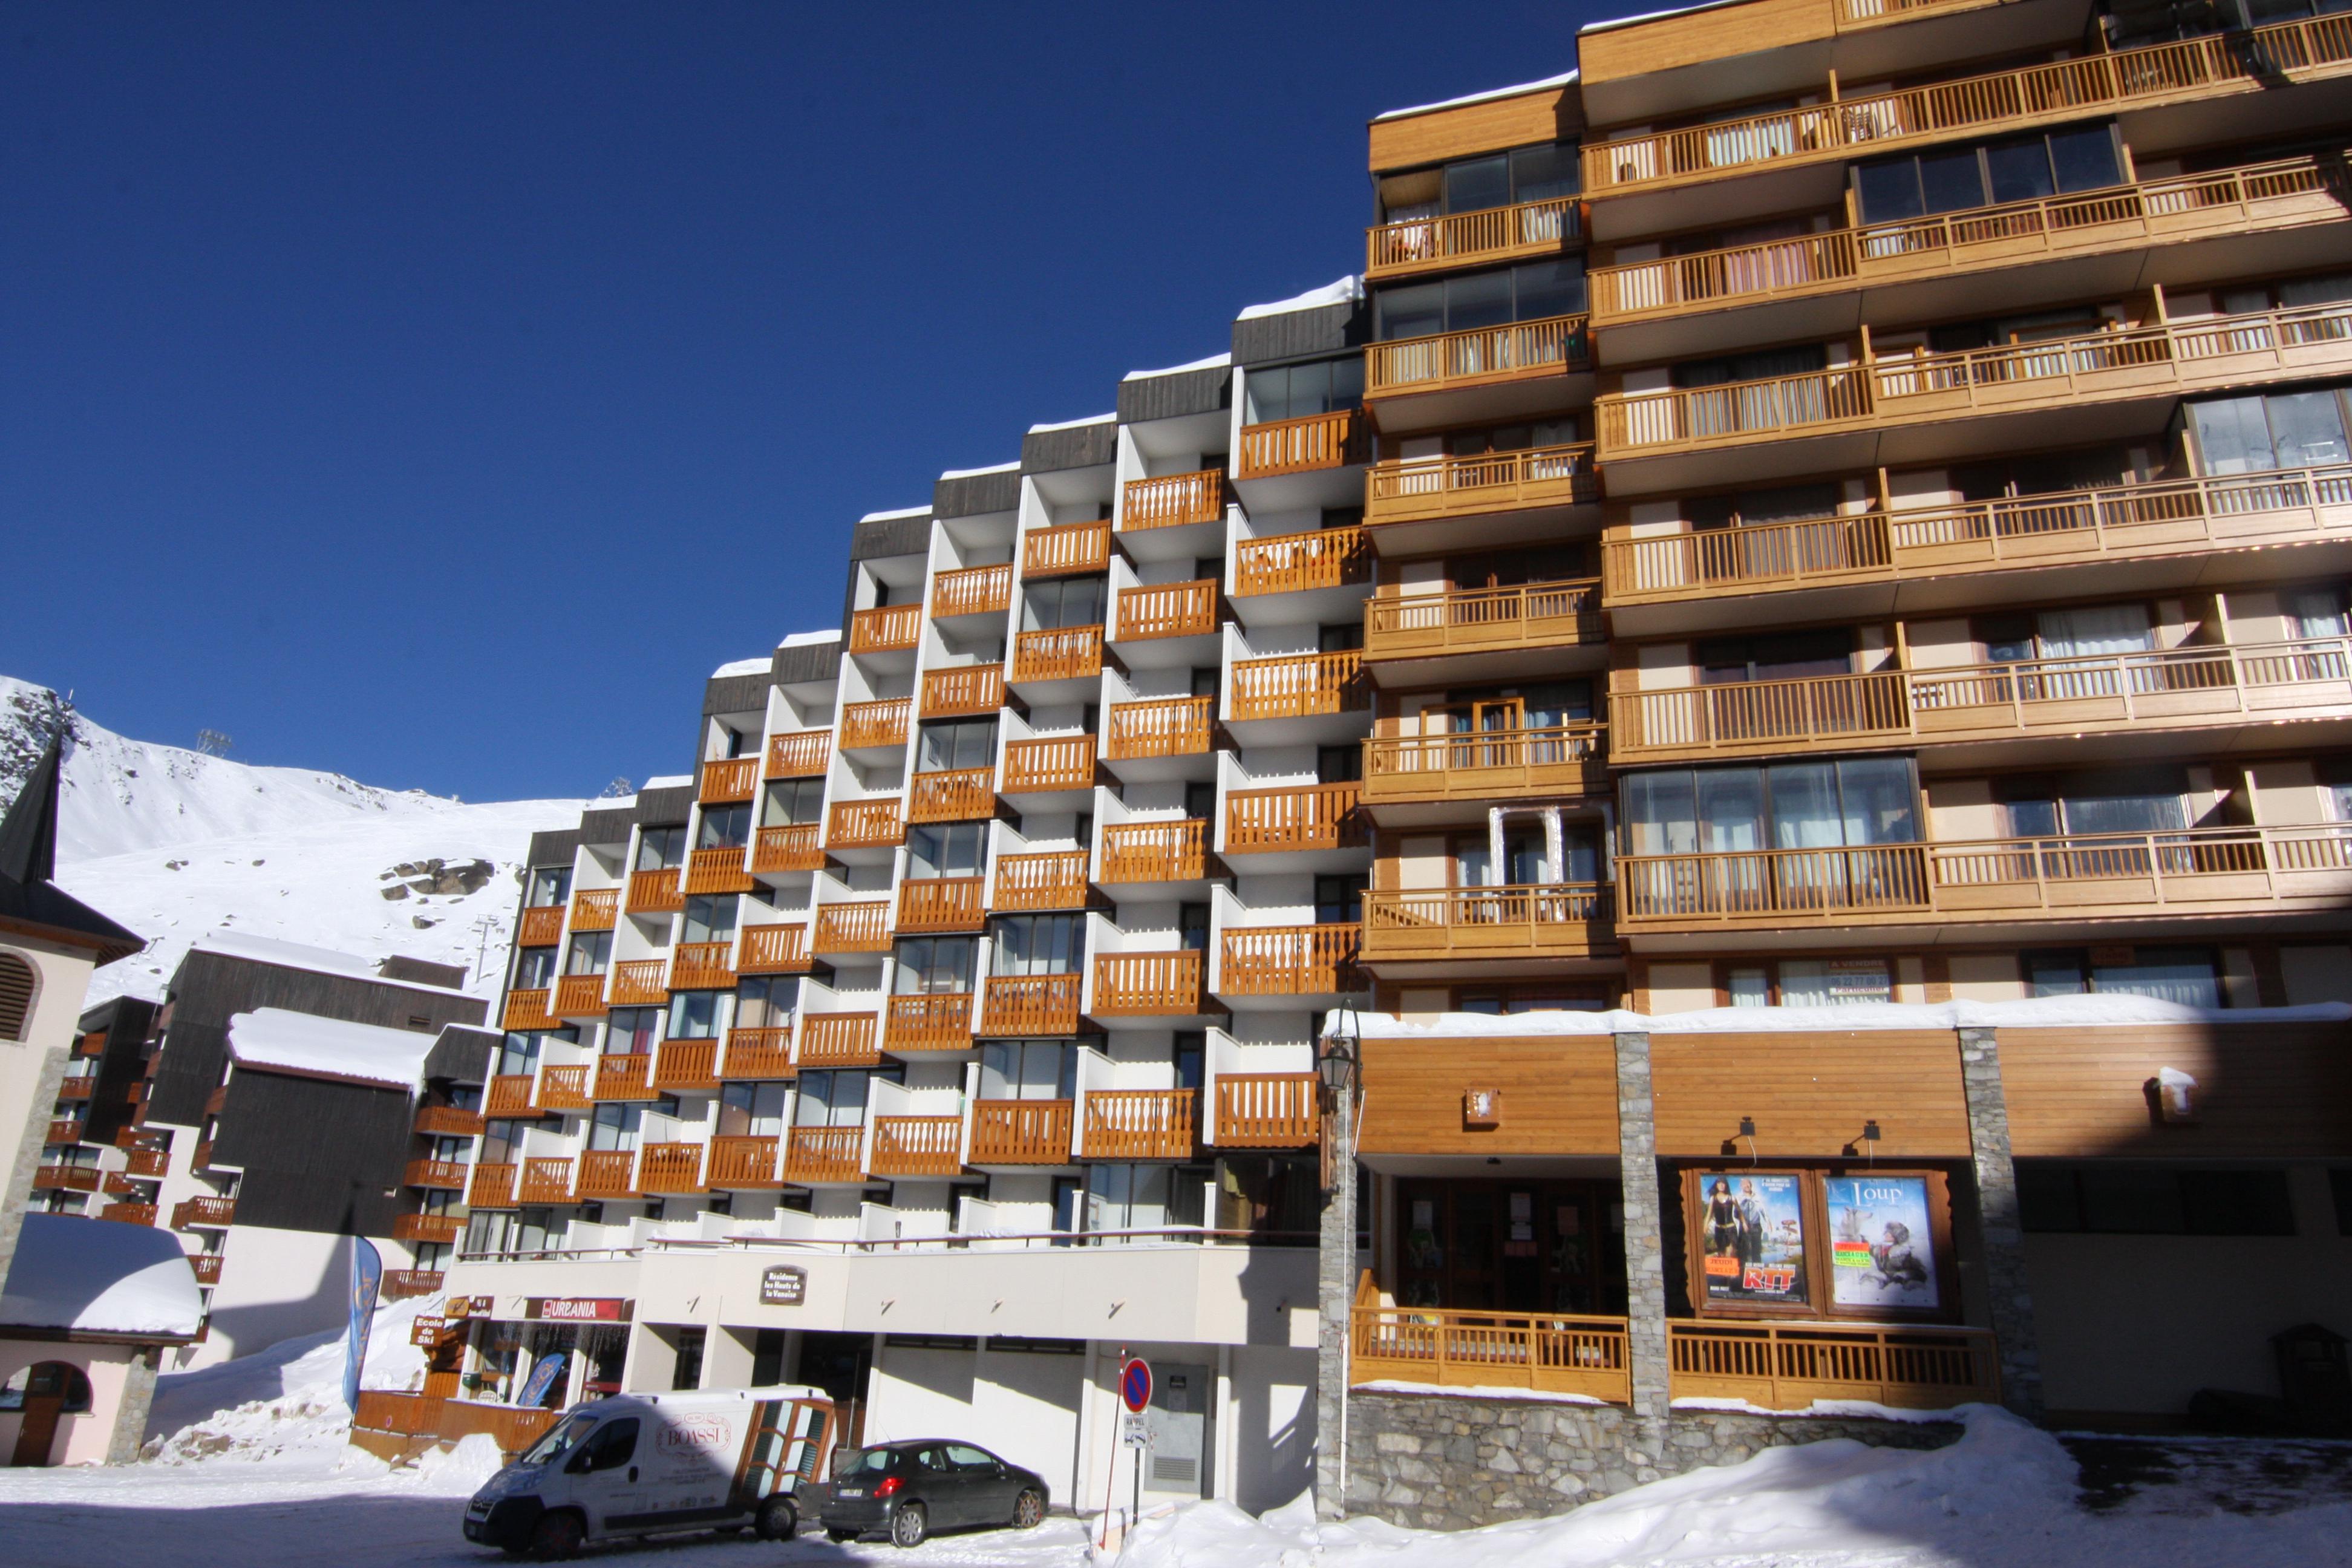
[561, 1439]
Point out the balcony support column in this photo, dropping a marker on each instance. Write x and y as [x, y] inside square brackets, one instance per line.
[1336, 1294]
[1645, 1253]
[2004, 1235]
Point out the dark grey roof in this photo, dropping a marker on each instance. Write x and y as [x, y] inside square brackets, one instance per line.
[1297, 334]
[973, 495]
[28, 859]
[554, 847]
[1174, 396]
[805, 662]
[1072, 447]
[881, 536]
[736, 693]
[666, 808]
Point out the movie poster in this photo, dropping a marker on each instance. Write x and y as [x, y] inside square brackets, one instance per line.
[1752, 1238]
[1882, 1246]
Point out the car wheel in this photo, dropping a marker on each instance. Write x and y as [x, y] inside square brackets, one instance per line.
[778, 1519]
[1029, 1509]
[910, 1525]
[557, 1536]
[842, 1534]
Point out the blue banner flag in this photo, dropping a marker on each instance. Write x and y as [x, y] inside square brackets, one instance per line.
[367, 1273]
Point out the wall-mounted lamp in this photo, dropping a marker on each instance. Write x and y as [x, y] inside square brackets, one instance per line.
[1869, 1135]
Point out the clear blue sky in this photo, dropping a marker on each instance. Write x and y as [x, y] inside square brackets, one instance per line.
[437, 392]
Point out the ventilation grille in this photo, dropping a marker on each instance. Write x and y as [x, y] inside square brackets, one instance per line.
[16, 995]
[1173, 1472]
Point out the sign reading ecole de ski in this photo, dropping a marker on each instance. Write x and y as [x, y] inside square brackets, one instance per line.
[783, 1285]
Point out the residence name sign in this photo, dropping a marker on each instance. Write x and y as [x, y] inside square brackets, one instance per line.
[783, 1285]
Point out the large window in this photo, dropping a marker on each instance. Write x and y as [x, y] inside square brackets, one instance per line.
[946, 849]
[1296, 391]
[1541, 173]
[534, 968]
[548, 885]
[615, 1126]
[710, 917]
[1780, 656]
[1028, 1069]
[954, 743]
[1039, 944]
[1145, 1197]
[724, 826]
[1062, 602]
[793, 801]
[2151, 1200]
[590, 952]
[2188, 975]
[695, 1014]
[751, 1110]
[660, 849]
[1793, 805]
[1532, 291]
[834, 1099]
[933, 965]
[1809, 982]
[766, 1001]
[2144, 799]
[2283, 430]
[1991, 173]
[632, 1031]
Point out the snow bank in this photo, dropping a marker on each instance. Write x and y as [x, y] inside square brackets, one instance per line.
[1343, 291]
[274, 1038]
[892, 516]
[803, 639]
[286, 1400]
[101, 1277]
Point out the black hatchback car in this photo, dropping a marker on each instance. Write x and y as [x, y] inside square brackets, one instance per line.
[910, 1489]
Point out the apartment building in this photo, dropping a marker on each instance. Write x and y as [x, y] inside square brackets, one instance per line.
[1727, 775]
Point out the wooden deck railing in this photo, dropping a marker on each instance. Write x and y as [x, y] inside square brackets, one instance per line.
[686, 1064]
[150, 1161]
[1788, 1366]
[744, 1163]
[1294, 562]
[1549, 1353]
[1565, 918]
[546, 1180]
[799, 753]
[886, 630]
[1173, 501]
[1041, 1004]
[972, 591]
[1290, 960]
[670, 1168]
[1416, 490]
[563, 1089]
[1021, 1132]
[963, 688]
[63, 1130]
[509, 1094]
[879, 724]
[757, 1052]
[1734, 412]
[493, 1186]
[656, 892]
[2189, 68]
[1303, 817]
[640, 983]
[823, 1154]
[1457, 239]
[441, 1174]
[942, 903]
[1474, 358]
[938, 1022]
[864, 825]
[1150, 984]
[1300, 686]
[1176, 851]
[1303, 446]
[595, 909]
[726, 780]
[1159, 727]
[774, 949]
[1050, 764]
[718, 870]
[527, 1010]
[838, 1040]
[1746, 716]
[1140, 1124]
[1068, 548]
[1469, 765]
[958, 794]
[129, 1213]
[1168, 610]
[1051, 879]
[907, 1146]
[624, 1076]
[852, 928]
[789, 847]
[607, 1173]
[210, 1213]
[1070, 653]
[438, 1228]
[1267, 1110]
[540, 927]
[1525, 614]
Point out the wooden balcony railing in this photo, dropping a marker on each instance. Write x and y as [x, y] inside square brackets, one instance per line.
[1291, 961]
[565, 1089]
[886, 630]
[822, 1154]
[449, 1174]
[876, 725]
[1736, 413]
[640, 983]
[852, 928]
[1173, 501]
[656, 892]
[727, 780]
[938, 1022]
[790, 847]
[1867, 13]
[206, 1266]
[1568, 918]
[864, 825]
[540, 926]
[84, 1179]
[64, 1130]
[963, 690]
[838, 1040]
[1474, 358]
[702, 966]
[624, 1077]
[942, 903]
[1300, 685]
[595, 909]
[1552, 1354]
[765, 1051]
[2187, 70]
[973, 591]
[147, 1161]
[605, 1174]
[774, 949]
[960, 794]
[443, 1228]
[1303, 446]
[907, 1146]
[212, 1212]
[1564, 759]
[1461, 239]
[1789, 1366]
[1150, 984]
[1168, 610]
[1293, 562]
[799, 753]
[2118, 522]
[1749, 716]
[128, 1213]
[1071, 547]
[509, 1094]
[578, 996]
[719, 870]
[1070, 653]
[1523, 616]
[1267, 1110]
[1051, 763]
[670, 1168]
[493, 1186]
[1021, 1132]
[743, 1163]
[687, 1066]
[1140, 1124]
[78, 1087]
[527, 1010]
[1052, 880]
[1038, 1004]
[1175, 851]
[1160, 727]
[1304, 816]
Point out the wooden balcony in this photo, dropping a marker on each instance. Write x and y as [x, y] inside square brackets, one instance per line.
[1998, 103]
[540, 926]
[886, 630]
[446, 1122]
[942, 903]
[1789, 1366]
[774, 949]
[595, 909]
[1294, 562]
[1175, 851]
[565, 1089]
[1150, 985]
[1168, 610]
[719, 870]
[1073, 547]
[206, 1267]
[1173, 501]
[441, 1228]
[1071, 653]
[745, 1164]
[1159, 726]
[938, 1022]
[1303, 817]
[670, 1168]
[63, 1130]
[656, 892]
[128, 1213]
[1052, 880]
[973, 591]
[2251, 872]
[148, 1163]
[864, 825]
[81, 1179]
[1140, 1124]
[527, 1010]
[964, 691]
[687, 1066]
[400, 1284]
[1291, 961]
[1300, 686]
[624, 1077]
[1525, 615]
[852, 928]
[789, 847]
[604, 1173]
[80, 1089]
[209, 1214]
[765, 1052]
[880, 725]
[493, 1186]
[914, 1146]
[1520, 352]
[799, 753]
[1036, 1005]
[1564, 919]
[1306, 445]
[1552, 1354]
[958, 794]
[702, 966]
[1049, 764]
[578, 996]
[509, 1095]
[814, 1155]
[1482, 765]
[448, 1175]
[1021, 1132]
[640, 983]
[728, 780]
[838, 1040]
[1267, 1110]
[1468, 239]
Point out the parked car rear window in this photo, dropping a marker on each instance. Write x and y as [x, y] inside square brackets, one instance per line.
[866, 1462]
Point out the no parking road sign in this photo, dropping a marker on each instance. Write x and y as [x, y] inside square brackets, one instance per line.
[1135, 1383]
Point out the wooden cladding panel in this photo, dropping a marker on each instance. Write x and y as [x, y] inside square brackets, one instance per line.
[1558, 1096]
[2263, 1092]
[1810, 1093]
[1547, 114]
[1665, 43]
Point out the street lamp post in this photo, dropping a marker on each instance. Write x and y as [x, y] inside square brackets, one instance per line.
[1339, 1066]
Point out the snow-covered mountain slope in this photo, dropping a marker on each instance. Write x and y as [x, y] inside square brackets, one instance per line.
[173, 843]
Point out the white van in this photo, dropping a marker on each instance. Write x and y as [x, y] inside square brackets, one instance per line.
[647, 1464]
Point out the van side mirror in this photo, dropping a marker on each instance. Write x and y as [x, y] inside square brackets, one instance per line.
[580, 1462]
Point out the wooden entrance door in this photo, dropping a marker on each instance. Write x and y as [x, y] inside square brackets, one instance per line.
[52, 1389]
[1532, 1247]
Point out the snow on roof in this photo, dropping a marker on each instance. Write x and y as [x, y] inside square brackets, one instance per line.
[897, 513]
[2038, 1013]
[1613, 23]
[297, 956]
[1345, 291]
[1491, 93]
[1214, 362]
[612, 802]
[975, 473]
[1074, 423]
[101, 1277]
[667, 781]
[279, 1039]
[742, 667]
[801, 640]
